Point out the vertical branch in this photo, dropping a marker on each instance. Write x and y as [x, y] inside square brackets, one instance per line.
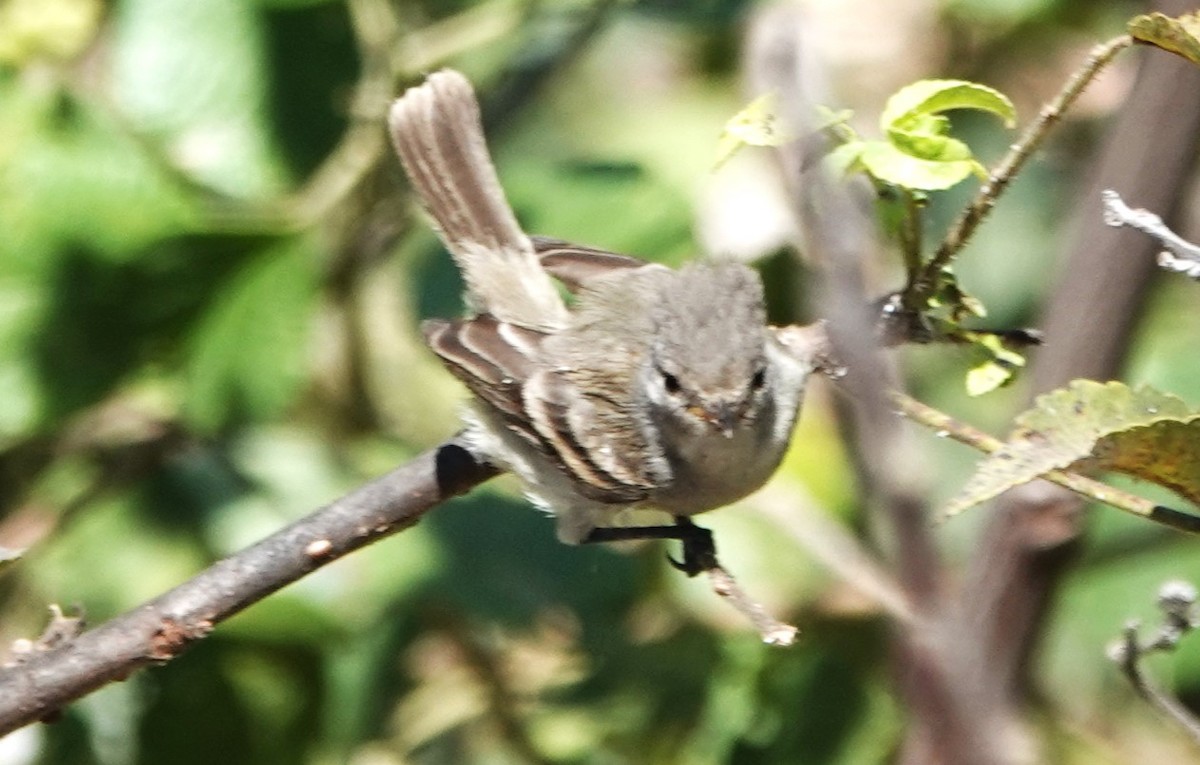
[910, 237]
[946, 724]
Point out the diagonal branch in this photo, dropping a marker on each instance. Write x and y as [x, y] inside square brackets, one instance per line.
[1087, 487]
[1020, 152]
[43, 681]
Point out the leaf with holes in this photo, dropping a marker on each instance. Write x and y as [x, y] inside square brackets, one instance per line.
[1180, 36]
[1140, 432]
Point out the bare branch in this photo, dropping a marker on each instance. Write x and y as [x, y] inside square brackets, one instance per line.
[1177, 601]
[158, 631]
[772, 631]
[1181, 256]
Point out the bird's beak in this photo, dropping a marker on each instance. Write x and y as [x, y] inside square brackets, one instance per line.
[721, 416]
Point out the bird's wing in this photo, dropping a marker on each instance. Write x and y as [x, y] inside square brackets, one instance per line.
[499, 364]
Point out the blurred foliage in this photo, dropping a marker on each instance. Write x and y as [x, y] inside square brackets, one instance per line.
[193, 352]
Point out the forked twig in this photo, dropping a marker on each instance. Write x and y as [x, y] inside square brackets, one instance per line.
[1177, 601]
[1180, 255]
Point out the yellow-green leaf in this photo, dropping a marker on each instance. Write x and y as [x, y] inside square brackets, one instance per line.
[755, 125]
[58, 29]
[921, 99]
[1175, 35]
[997, 371]
[1105, 426]
[987, 377]
[834, 119]
[847, 157]
[888, 163]
[914, 124]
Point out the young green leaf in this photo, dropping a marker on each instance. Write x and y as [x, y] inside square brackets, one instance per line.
[1105, 426]
[1180, 36]
[913, 121]
[987, 377]
[919, 153]
[998, 370]
[912, 104]
[889, 163]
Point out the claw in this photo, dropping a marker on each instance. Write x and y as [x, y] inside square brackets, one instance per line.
[689, 565]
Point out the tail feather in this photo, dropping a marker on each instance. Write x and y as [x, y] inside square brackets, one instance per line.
[437, 133]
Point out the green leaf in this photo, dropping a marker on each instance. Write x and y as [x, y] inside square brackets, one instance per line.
[834, 119]
[926, 138]
[987, 377]
[919, 153]
[1105, 426]
[1180, 36]
[755, 125]
[911, 107]
[847, 158]
[888, 163]
[247, 357]
[75, 178]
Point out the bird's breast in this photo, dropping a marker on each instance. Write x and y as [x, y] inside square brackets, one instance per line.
[713, 470]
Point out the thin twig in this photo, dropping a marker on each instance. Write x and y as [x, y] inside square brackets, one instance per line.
[773, 631]
[1181, 256]
[1176, 600]
[945, 425]
[998, 180]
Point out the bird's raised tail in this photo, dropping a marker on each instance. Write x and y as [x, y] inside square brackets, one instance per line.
[437, 133]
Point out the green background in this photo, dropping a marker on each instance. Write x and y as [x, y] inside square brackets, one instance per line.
[211, 275]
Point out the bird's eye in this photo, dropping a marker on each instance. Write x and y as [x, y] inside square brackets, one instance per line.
[758, 380]
[671, 383]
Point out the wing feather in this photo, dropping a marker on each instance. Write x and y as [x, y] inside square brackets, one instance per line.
[498, 363]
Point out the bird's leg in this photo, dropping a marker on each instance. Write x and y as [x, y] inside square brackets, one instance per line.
[699, 550]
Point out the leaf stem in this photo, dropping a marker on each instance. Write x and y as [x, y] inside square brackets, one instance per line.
[910, 237]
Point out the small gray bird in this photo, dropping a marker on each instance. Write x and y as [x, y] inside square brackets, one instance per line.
[657, 388]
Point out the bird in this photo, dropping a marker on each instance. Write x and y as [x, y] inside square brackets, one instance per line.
[649, 387]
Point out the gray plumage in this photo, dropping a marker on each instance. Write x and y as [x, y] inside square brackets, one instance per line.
[658, 388]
